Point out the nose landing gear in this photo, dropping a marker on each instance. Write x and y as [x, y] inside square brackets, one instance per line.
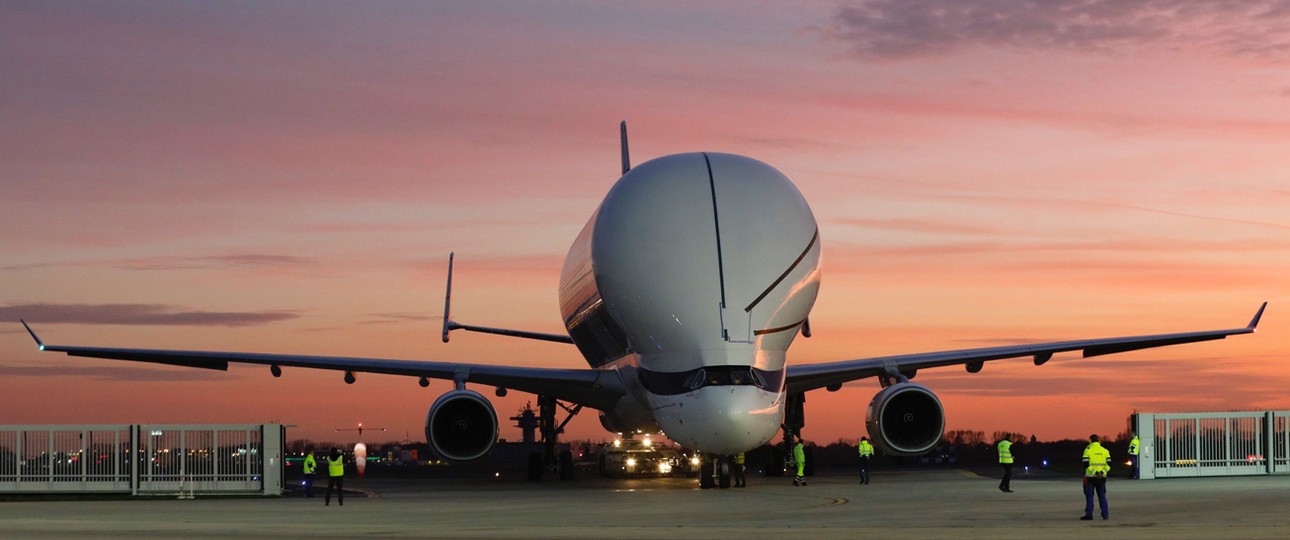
[714, 471]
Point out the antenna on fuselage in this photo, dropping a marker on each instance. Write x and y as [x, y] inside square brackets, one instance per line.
[627, 162]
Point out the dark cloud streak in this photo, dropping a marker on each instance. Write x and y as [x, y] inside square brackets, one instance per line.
[137, 315]
[902, 29]
[110, 373]
[213, 262]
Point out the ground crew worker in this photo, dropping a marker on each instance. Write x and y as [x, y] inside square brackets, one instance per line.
[739, 470]
[1097, 462]
[799, 459]
[866, 454]
[1005, 461]
[1133, 455]
[311, 467]
[336, 476]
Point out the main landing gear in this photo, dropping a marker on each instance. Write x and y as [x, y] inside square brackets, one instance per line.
[549, 460]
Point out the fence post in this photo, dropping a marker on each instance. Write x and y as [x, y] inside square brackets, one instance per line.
[1146, 430]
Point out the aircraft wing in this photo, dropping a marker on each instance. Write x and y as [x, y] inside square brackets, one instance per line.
[801, 378]
[598, 389]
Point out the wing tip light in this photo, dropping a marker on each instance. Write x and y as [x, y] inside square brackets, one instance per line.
[1254, 323]
[39, 344]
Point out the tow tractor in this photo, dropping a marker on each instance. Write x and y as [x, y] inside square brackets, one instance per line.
[628, 457]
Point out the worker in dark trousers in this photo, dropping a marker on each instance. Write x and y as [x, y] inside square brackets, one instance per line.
[1005, 461]
[335, 476]
[311, 467]
[866, 454]
[1133, 456]
[1097, 466]
[739, 470]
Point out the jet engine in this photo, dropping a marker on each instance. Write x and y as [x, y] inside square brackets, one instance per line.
[905, 419]
[461, 426]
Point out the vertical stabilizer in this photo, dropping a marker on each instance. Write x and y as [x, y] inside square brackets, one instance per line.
[448, 325]
[627, 162]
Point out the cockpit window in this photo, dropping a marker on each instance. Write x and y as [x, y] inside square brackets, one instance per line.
[672, 383]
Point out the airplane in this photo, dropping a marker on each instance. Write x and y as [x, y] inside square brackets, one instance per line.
[683, 292]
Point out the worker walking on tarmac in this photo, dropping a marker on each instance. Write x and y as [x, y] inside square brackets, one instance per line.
[739, 470]
[866, 454]
[1005, 461]
[1133, 456]
[1097, 466]
[336, 476]
[799, 459]
[311, 467]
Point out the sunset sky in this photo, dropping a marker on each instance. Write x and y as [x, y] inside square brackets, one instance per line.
[290, 177]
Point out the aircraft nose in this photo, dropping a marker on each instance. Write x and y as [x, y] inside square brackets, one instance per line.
[723, 419]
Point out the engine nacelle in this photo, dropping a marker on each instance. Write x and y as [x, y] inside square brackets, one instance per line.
[905, 419]
[461, 426]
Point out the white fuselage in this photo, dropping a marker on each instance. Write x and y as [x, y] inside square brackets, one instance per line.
[692, 279]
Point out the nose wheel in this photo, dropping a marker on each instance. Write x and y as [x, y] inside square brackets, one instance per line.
[714, 471]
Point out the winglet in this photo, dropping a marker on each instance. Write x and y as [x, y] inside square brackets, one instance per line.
[447, 301]
[1254, 323]
[627, 162]
[39, 343]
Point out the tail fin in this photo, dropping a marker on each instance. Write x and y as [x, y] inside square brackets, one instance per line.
[447, 301]
[627, 162]
[449, 325]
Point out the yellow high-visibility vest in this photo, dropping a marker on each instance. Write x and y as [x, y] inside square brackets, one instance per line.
[1133, 446]
[739, 458]
[866, 449]
[336, 467]
[1099, 460]
[311, 465]
[1005, 451]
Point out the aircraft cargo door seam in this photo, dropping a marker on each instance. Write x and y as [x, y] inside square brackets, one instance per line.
[787, 271]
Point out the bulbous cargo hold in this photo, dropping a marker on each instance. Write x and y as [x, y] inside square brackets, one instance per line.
[691, 252]
[696, 272]
[461, 426]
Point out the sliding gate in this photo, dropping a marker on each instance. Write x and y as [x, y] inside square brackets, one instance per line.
[142, 459]
[1213, 444]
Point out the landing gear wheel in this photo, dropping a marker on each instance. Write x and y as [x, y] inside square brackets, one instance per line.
[566, 465]
[774, 461]
[705, 473]
[723, 473]
[535, 466]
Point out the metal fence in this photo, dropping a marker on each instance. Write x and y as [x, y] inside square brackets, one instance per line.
[1213, 444]
[142, 459]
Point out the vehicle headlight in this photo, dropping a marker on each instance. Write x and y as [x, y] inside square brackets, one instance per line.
[694, 461]
[665, 467]
[631, 462]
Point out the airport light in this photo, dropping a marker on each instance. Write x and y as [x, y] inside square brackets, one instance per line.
[631, 463]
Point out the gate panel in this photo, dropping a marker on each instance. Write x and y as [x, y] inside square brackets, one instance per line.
[160, 459]
[1218, 444]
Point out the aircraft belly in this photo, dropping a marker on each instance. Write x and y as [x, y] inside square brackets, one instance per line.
[720, 419]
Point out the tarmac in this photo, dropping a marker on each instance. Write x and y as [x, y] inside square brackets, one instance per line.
[940, 503]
